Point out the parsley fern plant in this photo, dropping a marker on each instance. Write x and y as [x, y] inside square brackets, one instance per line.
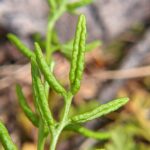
[43, 80]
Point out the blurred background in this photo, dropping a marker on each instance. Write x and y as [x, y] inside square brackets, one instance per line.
[119, 67]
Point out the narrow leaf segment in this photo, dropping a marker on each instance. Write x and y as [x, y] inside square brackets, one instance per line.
[77, 63]
[25, 107]
[5, 138]
[21, 46]
[54, 84]
[100, 111]
[42, 100]
[88, 133]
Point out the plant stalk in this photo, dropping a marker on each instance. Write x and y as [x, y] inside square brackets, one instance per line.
[41, 137]
[51, 23]
[56, 133]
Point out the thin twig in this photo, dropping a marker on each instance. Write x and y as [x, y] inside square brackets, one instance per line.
[123, 74]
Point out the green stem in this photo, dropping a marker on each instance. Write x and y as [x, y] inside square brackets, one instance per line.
[41, 137]
[54, 139]
[52, 20]
[52, 4]
[68, 100]
[51, 23]
[56, 133]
